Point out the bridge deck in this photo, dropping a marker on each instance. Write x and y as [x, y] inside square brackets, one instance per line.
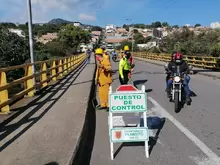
[190, 137]
[47, 129]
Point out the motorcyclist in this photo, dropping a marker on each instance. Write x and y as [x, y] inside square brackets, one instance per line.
[177, 60]
[171, 60]
[114, 53]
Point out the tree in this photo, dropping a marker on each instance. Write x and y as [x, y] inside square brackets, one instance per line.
[13, 49]
[156, 24]
[139, 39]
[175, 26]
[165, 24]
[141, 26]
[72, 36]
[126, 27]
[96, 28]
[129, 44]
[56, 48]
[197, 25]
[135, 31]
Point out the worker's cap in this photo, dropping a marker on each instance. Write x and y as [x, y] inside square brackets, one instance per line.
[99, 51]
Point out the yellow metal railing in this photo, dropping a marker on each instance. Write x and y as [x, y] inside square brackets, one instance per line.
[49, 70]
[197, 61]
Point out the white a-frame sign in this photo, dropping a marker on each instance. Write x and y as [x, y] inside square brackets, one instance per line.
[128, 99]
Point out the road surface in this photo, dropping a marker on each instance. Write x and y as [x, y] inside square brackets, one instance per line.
[191, 137]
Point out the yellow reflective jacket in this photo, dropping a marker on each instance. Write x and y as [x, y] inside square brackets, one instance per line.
[104, 72]
[123, 65]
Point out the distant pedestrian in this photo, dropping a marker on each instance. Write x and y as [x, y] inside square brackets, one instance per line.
[88, 53]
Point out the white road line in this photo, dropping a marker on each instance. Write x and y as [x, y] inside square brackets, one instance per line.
[161, 111]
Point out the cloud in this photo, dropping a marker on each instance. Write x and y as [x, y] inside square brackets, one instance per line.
[85, 17]
[45, 10]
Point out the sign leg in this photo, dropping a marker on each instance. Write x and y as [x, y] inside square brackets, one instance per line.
[112, 151]
[146, 149]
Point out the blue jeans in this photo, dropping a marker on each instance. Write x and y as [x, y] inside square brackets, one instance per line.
[185, 85]
[88, 60]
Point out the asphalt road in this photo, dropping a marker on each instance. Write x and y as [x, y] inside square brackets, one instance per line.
[190, 137]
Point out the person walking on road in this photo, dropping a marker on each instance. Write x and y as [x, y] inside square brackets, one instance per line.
[103, 78]
[88, 53]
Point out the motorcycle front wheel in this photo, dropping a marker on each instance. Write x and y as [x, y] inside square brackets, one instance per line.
[114, 59]
[176, 102]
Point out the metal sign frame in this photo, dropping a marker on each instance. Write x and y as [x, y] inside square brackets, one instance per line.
[110, 121]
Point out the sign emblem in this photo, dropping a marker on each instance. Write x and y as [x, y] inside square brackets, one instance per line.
[118, 134]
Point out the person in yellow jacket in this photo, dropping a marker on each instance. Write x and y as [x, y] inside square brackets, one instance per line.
[105, 55]
[103, 78]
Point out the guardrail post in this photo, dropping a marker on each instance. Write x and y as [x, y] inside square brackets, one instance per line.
[4, 93]
[53, 71]
[72, 63]
[30, 82]
[65, 66]
[60, 68]
[44, 75]
[69, 64]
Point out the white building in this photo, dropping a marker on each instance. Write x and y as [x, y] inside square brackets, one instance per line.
[110, 26]
[215, 25]
[77, 24]
[187, 25]
[17, 31]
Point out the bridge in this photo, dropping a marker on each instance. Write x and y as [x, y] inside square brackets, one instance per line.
[55, 122]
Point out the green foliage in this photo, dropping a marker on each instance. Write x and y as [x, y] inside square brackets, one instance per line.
[128, 43]
[96, 28]
[13, 49]
[165, 24]
[56, 48]
[72, 36]
[141, 26]
[197, 25]
[139, 38]
[186, 41]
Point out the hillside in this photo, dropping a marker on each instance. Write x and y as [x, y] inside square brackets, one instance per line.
[58, 21]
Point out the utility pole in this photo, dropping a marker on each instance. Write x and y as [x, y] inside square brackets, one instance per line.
[132, 35]
[31, 43]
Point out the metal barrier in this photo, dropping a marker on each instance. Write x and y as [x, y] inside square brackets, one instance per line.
[48, 70]
[197, 61]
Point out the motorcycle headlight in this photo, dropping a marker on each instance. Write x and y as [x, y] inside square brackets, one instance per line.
[177, 79]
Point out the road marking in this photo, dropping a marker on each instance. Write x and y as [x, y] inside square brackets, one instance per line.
[213, 158]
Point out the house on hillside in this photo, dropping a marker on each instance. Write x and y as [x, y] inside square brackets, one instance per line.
[17, 31]
[77, 24]
[115, 41]
[47, 38]
[96, 33]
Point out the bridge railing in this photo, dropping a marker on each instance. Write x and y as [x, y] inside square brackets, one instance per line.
[29, 82]
[197, 61]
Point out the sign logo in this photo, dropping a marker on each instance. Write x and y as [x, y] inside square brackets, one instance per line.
[118, 134]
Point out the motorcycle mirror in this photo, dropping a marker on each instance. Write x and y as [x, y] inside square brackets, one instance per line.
[165, 66]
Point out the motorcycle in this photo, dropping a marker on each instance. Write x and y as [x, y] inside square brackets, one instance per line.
[177, 89]
[115, 58]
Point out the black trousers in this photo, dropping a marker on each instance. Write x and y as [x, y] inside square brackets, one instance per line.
[126, 79]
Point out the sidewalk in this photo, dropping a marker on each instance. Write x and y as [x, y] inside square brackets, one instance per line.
[48, 130]
[201, 71]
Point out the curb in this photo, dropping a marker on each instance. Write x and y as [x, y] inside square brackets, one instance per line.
[156, 63]
[83, 151]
